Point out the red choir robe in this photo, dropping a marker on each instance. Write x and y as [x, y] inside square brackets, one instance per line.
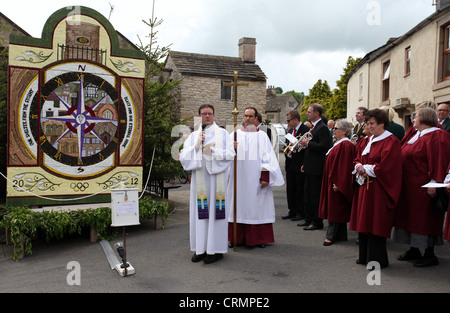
[374, 203]
[359, 147]
[335, 206]
[408, 135]
[424, 160]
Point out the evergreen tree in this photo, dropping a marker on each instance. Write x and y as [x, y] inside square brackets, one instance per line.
[319, 93]
[160, 110]
[338, 103]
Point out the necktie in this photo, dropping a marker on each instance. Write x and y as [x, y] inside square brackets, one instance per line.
[359, 127]
[295, 132]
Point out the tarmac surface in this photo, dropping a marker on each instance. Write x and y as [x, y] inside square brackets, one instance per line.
[296, 263]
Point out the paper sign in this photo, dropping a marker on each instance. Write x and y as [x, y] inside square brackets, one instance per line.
[435, 185]
[290, 138]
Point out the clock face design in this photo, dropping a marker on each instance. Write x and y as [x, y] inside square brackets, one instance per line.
[79, 123]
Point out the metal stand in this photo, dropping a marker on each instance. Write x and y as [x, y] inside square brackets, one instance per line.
[125, 268]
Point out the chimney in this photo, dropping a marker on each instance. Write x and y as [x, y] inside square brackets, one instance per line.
[271, 92]
[440, 4]
[247, 49]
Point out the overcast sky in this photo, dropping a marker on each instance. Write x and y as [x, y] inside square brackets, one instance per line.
[298, 41]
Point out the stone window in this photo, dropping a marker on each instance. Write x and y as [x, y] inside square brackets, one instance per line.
[386, 78]
[225, 91]
[407, 61]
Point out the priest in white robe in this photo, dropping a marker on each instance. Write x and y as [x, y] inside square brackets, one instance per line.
[257, 172]
[208, 152]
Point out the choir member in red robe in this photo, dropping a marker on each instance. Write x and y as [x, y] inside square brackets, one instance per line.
[378, 170]
[337, 184]
[425, 159]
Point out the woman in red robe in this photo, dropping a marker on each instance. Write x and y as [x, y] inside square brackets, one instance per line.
[378, 169]
[425, 159]
[337, 184]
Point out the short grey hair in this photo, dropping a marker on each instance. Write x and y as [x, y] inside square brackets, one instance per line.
[346, 126]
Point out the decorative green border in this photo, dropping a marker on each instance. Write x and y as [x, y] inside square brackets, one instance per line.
[55, 18]
[34, 201]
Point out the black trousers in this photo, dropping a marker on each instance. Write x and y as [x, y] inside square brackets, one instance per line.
[313, 184]
[373, 248]
[337, 231]
[295, 185]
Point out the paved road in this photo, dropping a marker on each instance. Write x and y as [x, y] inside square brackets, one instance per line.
[296, 263]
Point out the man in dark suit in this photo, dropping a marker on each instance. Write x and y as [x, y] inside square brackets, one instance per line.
[443, 115]
[313, 164]
[295, 179]
[360, 120]
[259, 124]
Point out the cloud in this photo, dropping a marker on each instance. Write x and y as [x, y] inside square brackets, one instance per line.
[301, 71]
[298, 41]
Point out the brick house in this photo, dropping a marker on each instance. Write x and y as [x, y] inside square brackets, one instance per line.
[203, 77]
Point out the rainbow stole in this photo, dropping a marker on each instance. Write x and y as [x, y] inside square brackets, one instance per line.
[202, 197]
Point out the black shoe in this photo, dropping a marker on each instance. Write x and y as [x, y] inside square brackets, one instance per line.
[303, 224]
[297, 218]
[424, 262]
[327, 243]
[198, 257]
[358, 261]
[263, 245]
[410, 255]
[313, 227]
[211, 258]
[288, 217]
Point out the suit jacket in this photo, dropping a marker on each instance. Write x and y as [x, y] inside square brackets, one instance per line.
[446, 124]
[317, 149]
[295, 162]
[360, 132]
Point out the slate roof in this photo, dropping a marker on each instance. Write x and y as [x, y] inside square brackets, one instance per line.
[275, 103]
[192, 64]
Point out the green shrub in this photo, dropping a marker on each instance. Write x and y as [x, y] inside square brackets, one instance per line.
[24, 223]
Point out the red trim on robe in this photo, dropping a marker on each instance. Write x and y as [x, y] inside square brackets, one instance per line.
[251, 234]
[265, 176]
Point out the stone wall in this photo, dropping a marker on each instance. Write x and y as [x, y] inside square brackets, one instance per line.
[196, 90]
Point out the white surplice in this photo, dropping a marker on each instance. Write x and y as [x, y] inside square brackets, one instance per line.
[208, 235]
[255, 205]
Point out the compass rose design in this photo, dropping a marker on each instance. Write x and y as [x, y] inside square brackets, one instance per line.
[80, 119]
[79, 123]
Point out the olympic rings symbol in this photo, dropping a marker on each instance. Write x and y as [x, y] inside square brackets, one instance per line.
[79, 186]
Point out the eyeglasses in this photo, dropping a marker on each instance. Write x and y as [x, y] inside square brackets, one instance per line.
[249, 116]
[288, 120]
[206, 114]
[442, 110]
[336, 128]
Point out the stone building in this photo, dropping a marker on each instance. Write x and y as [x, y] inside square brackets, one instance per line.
[203, 77]
[279, 105]
[406, 70]
[11, 28]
